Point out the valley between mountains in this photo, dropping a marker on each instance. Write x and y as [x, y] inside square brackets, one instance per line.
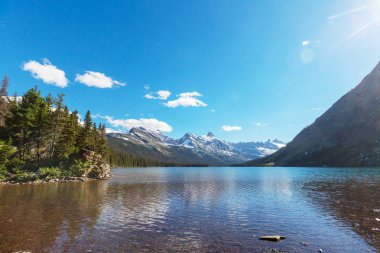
[190, 149]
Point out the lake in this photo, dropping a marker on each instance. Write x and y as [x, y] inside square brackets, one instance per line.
[197, 210]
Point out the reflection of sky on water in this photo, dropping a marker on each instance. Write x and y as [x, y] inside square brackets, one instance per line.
[196, 209]
[134, 206]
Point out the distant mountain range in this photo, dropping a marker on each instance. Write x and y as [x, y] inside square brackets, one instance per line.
[190, 149]
[347, 134]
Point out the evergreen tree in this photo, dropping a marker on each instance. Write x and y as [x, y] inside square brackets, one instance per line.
[57, 122]
[4, 101]
[40, 123]
[66, 144]
[102, 141]
[95, 138]
[85, 138]
[18, 123]
[27, 125]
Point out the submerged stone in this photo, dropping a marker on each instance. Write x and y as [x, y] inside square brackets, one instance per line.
[272, 237]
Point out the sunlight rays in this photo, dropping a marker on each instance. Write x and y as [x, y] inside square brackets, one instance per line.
[364, 17]
[362, 28]
[345, 13]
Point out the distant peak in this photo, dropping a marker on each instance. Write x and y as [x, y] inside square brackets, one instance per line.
[136, 129]
[210, 134]
[278, 141]
[187, 135]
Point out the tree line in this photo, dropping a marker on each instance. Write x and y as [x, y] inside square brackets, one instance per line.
[122, 159]
[37, 132]
[40, 135]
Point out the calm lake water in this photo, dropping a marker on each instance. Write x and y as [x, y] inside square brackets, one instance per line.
[197, 210]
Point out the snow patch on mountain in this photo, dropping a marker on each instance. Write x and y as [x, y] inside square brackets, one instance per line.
[200, 145]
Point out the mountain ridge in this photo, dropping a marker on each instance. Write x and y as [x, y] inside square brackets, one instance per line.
[190, 148]
[347, 134]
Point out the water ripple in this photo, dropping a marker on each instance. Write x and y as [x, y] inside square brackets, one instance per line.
[197, 210]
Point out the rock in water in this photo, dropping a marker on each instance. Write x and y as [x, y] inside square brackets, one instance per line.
[275, 238]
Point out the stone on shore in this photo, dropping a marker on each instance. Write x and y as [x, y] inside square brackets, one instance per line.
[274, 238]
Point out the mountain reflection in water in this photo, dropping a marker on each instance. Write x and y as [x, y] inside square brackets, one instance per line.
[196, 209]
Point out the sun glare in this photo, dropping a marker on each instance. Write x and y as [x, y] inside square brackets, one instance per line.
[373, 11]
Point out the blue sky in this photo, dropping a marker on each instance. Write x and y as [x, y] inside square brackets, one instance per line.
[261, 69]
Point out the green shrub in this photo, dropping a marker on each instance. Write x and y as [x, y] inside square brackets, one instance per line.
[23, 176]
[49, 172]
[3, 173]
[79, 168]
[9, 162]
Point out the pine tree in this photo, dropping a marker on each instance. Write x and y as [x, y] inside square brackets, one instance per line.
[57, 122]
[4, 103]
[65, 146]
[102, 142]
[85, 138]
[40, 130]
[27, 125]
[95, 138]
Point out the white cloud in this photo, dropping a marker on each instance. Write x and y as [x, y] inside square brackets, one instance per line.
[305, 42]
[161, 94]
[47, 72]
[260, 124]
[111, 131]
[187, 99]
[231, 128]
[212, 110]
[149, 96]
[97, 79]
[149, 124]
[147, 87]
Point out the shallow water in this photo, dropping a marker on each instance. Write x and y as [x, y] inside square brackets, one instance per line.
[197, 209]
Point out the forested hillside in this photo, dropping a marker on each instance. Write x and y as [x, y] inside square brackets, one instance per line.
[41, 138]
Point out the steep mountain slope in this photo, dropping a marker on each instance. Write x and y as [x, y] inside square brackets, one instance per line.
[190, 149]
[348, 134]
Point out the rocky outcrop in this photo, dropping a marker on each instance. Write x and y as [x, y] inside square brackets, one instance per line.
[101, 171]
[98, 168]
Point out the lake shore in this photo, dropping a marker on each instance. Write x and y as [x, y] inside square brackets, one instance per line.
[50, 180]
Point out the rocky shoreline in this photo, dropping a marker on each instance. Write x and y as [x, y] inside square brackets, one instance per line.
[53, 180]
[97, 170]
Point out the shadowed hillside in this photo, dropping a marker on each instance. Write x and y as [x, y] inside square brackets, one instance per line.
[348, 134]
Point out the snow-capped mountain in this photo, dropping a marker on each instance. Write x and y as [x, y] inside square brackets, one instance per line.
[191, 148]
[254, 150]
